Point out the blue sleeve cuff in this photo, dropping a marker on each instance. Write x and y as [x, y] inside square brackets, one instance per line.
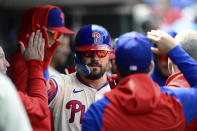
[46, 74]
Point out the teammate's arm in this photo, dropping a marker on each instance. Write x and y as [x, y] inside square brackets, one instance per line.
[166, 45]
[35, 99]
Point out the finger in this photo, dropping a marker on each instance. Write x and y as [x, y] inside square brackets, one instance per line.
[30, 41]
[153, 33]
[42, 49]
[45, 36]
[22, 47]
[40, 37]
[153, 38]
[39, 44]
[155, 50]
[160, 32]
[35, 42]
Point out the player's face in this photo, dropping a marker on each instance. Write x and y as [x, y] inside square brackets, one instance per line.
[53, 38]
[3, 62]
[62, 52]
[97, 65]
[162, 64]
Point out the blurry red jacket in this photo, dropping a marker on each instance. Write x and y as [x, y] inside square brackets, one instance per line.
[35, 99]
[178, 80]
[18, 70]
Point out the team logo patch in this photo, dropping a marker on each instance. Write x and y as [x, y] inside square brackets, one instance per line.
[96, 36]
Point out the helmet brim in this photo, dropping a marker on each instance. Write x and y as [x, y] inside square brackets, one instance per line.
[93, 47]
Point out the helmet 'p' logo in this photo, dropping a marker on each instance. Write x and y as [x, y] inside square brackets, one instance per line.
[96, 35]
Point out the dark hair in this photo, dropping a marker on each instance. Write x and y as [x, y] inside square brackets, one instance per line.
[124, 73]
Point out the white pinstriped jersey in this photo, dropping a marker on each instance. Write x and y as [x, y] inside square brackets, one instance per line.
[71, 99]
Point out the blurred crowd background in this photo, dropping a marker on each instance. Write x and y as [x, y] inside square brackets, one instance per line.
[118, 16]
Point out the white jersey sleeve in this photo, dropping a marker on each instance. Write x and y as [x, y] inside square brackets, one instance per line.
[57, 91]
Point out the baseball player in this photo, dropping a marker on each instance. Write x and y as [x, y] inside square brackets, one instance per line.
[52, 18]
[13, 115]
[71, 95]
[35, 98]
[160, 72]
[187, 40]
[138, 103]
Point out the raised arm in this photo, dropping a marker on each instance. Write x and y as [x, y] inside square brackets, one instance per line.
[49, 50]
[166, 45]
[35, 100]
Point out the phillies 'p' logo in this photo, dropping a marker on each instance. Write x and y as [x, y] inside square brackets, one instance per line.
[62, 16]
[95, 35]
[76, 106]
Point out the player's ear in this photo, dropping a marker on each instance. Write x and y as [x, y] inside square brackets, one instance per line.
[170, 66]
[150, 68]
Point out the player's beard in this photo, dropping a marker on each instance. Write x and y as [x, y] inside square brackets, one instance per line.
[94, 74]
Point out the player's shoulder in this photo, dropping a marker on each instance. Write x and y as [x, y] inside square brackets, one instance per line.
[62, 78]
[177, 90]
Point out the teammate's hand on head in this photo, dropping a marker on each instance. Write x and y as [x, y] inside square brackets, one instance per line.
[163, 41]
[49, 50]
[35, 47]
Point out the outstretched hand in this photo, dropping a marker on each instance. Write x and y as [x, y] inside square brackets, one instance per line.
[163, 41]
[35, 47]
